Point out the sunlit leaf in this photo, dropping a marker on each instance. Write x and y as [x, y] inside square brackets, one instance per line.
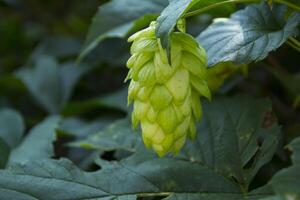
[249, 34]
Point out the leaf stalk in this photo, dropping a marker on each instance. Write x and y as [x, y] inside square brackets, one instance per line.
[201, 10]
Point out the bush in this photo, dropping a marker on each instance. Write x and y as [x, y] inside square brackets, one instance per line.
[215, 88]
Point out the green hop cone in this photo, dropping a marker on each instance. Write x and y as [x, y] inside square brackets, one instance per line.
[166, 97]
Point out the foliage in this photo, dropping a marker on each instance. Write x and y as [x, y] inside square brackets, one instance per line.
[65, 127]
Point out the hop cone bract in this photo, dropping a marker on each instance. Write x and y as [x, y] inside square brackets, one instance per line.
[166, 97]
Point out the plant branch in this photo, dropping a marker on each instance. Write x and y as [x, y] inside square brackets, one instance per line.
[201, 10]
[295, 41]
[293, 46]
[291, 5]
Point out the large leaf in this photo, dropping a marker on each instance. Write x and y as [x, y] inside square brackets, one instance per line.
[11, 127]
[38, 143]
[169, 17]
[50, 84]
[147, 175]
[249, 35]
[119, 135]
[240, 124]
[118, 18]
[237, 136]
[52, 180]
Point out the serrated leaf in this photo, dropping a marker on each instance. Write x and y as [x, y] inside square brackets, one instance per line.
[11, 127]
[169, 17]
[118, 18]
[117, 136]
[240, 124]
[38, 143]
[248, 35]
[237, 137]
[52, 180]
[50, 84]
[144, 173]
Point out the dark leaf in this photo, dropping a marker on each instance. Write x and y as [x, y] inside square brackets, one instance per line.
[118, 18]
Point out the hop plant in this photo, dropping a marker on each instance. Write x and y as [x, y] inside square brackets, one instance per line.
[166, 96]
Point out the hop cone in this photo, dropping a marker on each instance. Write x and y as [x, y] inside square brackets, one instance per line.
[166, 97]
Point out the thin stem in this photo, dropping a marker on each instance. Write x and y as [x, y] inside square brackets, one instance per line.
[201, 10]
[291, 5]
[297, 48]
[154, 194]
[295, 41]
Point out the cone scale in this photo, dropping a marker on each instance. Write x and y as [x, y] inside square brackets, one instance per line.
[166, 97]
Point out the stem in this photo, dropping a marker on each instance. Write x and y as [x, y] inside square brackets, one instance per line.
[293, 45]
[154, 194]
[295, 41]
[201, 10]
[291, 5]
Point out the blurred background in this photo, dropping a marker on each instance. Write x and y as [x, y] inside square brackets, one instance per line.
[40, 42]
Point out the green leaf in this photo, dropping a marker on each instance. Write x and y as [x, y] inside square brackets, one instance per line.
[52, 180]
[38, 143]
[169, 17]
[294, 146]
[286, 183]
[11, 127]
[240, 124]
[118, 18]
[147, 175]
[50, 84]
[117, 136]
[248, 35]
[81, 128]
[237, 137]
[212, 196]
